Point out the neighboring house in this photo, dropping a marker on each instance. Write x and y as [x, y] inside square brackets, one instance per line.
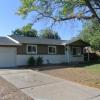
[16, 50]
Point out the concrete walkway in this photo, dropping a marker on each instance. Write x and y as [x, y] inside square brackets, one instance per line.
[44, 87]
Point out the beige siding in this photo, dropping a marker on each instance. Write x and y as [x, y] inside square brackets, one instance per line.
[41, 49]
[79, 43]
[22, 49]
[60, 49]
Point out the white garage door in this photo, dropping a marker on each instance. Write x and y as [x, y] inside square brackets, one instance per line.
[7, 56]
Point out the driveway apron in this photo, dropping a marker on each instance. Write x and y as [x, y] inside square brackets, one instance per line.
[45, 87]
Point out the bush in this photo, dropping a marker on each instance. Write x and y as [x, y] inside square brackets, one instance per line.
[31, 61]
[39, 61]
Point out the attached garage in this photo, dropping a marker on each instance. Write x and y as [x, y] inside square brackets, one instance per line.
[7, 56]
[7, 52]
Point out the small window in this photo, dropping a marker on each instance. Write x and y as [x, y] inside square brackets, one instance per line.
[52, 50]
[76, 51]
[32, 49]
[29, 49]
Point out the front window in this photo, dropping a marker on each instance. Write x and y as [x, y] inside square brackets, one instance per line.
[32, 49]
[76, 51]
[52, 50]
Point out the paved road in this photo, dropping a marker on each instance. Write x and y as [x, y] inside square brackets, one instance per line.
[44, 87]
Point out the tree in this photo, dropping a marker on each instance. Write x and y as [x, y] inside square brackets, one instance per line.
[26, 31]
[91, 33]
[61, 10]
[49, 33]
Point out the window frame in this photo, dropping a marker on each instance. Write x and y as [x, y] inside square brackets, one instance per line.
[77, 51]
[52, 52]
[31, 51]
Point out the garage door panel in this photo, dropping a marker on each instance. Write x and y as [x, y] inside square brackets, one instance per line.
[7, 56]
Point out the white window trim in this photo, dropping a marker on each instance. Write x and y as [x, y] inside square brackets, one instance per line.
[77, 48]
[53, 47]
[31, 52]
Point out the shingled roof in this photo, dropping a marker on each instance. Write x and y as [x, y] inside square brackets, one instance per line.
[8, 41]
[33, 40]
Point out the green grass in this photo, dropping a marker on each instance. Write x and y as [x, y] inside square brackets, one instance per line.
[94, 68]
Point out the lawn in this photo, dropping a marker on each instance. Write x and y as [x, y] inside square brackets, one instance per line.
[88, 75]
[94, 68]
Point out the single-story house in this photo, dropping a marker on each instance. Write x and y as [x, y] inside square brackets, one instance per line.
[16, 50]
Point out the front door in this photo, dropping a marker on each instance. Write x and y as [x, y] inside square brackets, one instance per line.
[85, 57]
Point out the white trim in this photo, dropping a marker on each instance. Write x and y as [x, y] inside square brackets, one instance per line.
[17, 42]
[53, 47]
[31, 52]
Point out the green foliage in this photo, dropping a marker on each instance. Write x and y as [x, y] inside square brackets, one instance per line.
[31, 61]
[39, 61]
[49, 33]
[91, 33]
[26, 31]
[59, 10]
[29, 32]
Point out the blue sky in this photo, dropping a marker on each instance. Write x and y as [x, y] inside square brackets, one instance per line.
[9, 21]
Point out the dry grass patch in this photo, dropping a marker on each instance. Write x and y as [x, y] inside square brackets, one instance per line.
[10, 92]
[89, 75]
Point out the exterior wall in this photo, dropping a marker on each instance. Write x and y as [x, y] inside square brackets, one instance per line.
[72, 58]
[41, 49]
[76, 59]
[21, 49]
[47, 59]
[60, 50]
[58, 58]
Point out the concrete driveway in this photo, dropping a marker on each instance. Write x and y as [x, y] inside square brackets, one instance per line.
[44, 87]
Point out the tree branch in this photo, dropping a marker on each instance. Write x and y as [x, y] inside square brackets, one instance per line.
[78, 17]
[91, 9]
[67, 18]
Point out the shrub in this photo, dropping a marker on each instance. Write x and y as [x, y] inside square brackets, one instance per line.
[31, 61]
[39, 61]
